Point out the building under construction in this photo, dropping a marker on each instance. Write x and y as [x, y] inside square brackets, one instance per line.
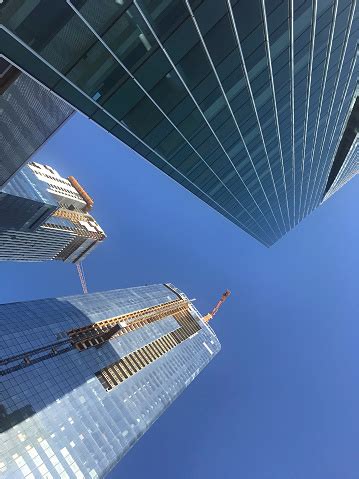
[45, 217]
[83, 377]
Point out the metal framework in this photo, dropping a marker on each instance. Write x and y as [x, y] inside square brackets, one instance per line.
[94, 335]
[81, 273]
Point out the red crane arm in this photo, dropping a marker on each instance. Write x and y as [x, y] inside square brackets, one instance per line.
[218, 305]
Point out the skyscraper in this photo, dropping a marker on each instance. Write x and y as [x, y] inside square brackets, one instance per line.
[348, 169]
[83, 377]
[30, 114]
[24, 202]
[240, 101]
[44, 217]
[346, 161]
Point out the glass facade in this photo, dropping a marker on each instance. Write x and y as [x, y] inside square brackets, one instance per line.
[43, 244]
[345, 164]
[83, 377]
[30, 114]
[240, 101]
[24, 202]
[43, 217]
[348, 170]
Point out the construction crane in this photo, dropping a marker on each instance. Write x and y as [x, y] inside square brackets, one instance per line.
[81, 273]
[85, 196]
[214, 311]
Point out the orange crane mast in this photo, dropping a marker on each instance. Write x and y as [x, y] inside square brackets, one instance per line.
[214, 311]
[85, 196]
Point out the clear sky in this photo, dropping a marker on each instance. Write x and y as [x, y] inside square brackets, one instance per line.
[281, 399]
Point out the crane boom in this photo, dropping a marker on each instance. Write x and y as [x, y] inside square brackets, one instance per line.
[82, 277]
[214, 311]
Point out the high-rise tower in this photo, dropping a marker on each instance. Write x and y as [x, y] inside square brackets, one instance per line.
[44, 217]
[346, 161]
[83, 377]
[241, 101]
[348, 169]
[30, 114]
[25, 202]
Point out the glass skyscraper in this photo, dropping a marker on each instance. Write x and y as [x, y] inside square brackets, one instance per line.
[24, 202]
[83, 377]
[29, 114]
[44, 216]
[348, 170]
[240, 101]
[346, 161]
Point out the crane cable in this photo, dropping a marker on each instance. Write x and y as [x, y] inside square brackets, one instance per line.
[81, 273]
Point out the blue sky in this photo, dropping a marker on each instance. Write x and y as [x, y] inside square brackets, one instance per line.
[281, 399]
